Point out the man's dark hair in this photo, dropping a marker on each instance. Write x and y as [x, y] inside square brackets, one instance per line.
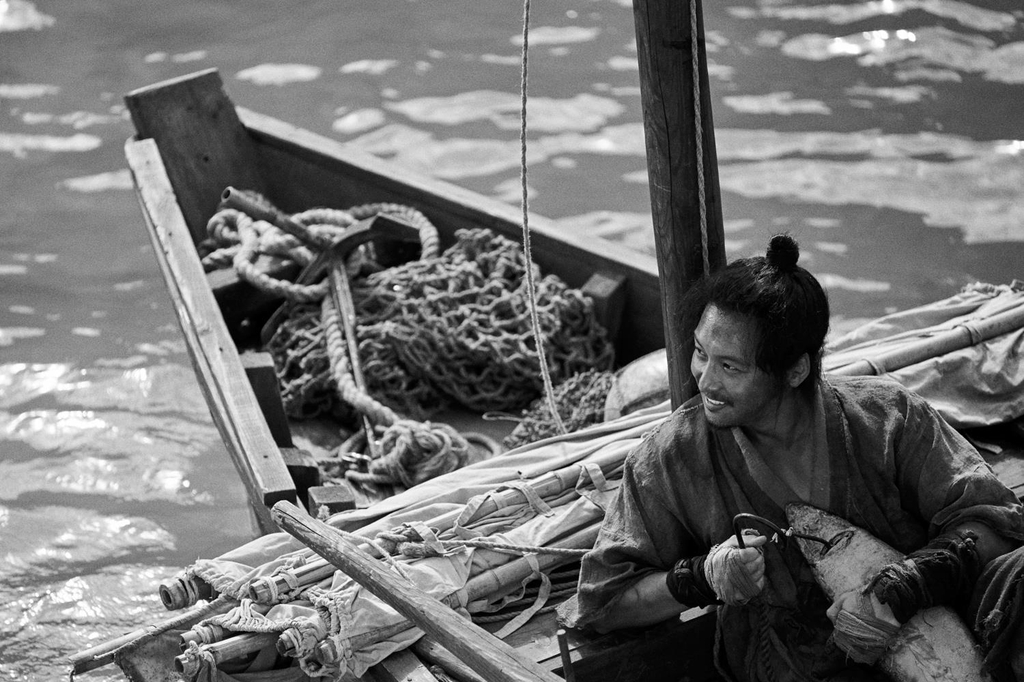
[785, 301]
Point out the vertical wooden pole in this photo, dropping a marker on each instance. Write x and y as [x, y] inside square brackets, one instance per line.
[663, 36]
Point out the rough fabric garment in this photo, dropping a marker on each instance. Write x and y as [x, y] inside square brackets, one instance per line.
[896, 470]
[996, 613]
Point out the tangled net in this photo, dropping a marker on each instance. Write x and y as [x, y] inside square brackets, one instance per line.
[580, 400]
[451, 329]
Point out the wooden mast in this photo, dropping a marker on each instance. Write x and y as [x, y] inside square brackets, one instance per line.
[664, 37]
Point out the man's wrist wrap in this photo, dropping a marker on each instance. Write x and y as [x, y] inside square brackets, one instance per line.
[687, 583]
[942, 572]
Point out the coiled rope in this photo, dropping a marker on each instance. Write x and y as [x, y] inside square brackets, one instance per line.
[451, 327]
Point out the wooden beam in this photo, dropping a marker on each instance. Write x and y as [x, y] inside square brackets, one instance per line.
[215, 359]
[607, 290]
[491, 658]
[259, 367]
[204, 145]
[401, 666]
[664, 43]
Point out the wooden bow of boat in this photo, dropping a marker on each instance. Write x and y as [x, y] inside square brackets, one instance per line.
[192, 143]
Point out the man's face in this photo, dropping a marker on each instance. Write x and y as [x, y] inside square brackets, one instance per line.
[734, 391]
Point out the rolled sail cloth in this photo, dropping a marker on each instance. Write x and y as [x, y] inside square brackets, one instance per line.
[536, 495]
[965, 353]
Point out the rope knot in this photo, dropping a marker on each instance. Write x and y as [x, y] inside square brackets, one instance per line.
[418, 451]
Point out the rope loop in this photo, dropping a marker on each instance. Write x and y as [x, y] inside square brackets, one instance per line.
[415, 452]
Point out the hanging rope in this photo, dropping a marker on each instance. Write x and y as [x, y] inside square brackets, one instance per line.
[699, 135]
[527, 246]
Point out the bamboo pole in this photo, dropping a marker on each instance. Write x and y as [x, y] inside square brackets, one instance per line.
[666, 44]
[490, 657]
[957, 338]
[546, 485]
[103, 654]
[225, 650]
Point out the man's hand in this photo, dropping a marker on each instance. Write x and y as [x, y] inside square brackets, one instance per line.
[860, 604]
[865, 627]
[737, 575]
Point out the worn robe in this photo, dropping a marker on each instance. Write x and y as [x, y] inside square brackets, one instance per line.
[893, 467]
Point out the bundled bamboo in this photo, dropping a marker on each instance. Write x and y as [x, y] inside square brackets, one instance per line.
[103, 654]
[488, 656]
[552, 484]
[935, 344]
[184, 590]
[190, 663]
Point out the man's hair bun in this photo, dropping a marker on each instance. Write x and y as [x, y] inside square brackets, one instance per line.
[783, 253]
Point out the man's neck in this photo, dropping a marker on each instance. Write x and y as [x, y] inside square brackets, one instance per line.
[785, 427]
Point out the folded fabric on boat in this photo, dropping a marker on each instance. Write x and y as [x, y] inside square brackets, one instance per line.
[493, 499]
[979, 385]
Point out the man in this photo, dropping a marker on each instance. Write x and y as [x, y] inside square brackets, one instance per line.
[766, 429]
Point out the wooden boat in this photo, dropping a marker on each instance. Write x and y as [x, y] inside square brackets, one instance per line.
[191, 146]
[192, 143]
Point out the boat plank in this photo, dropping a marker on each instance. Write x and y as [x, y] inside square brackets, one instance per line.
[229, 395]
[204, 145]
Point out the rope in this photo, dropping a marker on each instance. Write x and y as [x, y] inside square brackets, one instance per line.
[464, 327]
[863, 637]
[699, 135]
[527, 246]
[409, 541]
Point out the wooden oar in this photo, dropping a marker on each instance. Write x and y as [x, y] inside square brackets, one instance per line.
[491, 658]
[957, 338]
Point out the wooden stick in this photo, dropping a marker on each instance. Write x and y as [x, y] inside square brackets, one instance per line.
[103, 654]
[432, 652]
[342, 296]
[563, 650]
[233, 198]
[954, 339]
[490, 657]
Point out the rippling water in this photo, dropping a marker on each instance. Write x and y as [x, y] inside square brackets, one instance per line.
[885, 135]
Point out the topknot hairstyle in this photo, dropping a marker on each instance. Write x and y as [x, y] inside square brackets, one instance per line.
[783, 253]
[784, 300]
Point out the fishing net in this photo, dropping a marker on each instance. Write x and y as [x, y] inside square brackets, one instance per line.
[580, 401]
[454, 329]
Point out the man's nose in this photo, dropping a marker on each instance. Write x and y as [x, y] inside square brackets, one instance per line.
[705, 378]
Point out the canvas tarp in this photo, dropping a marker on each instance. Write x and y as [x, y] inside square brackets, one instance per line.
[450, 507]
[978, 385]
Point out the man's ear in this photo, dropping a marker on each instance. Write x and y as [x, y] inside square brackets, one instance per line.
[798, 371]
